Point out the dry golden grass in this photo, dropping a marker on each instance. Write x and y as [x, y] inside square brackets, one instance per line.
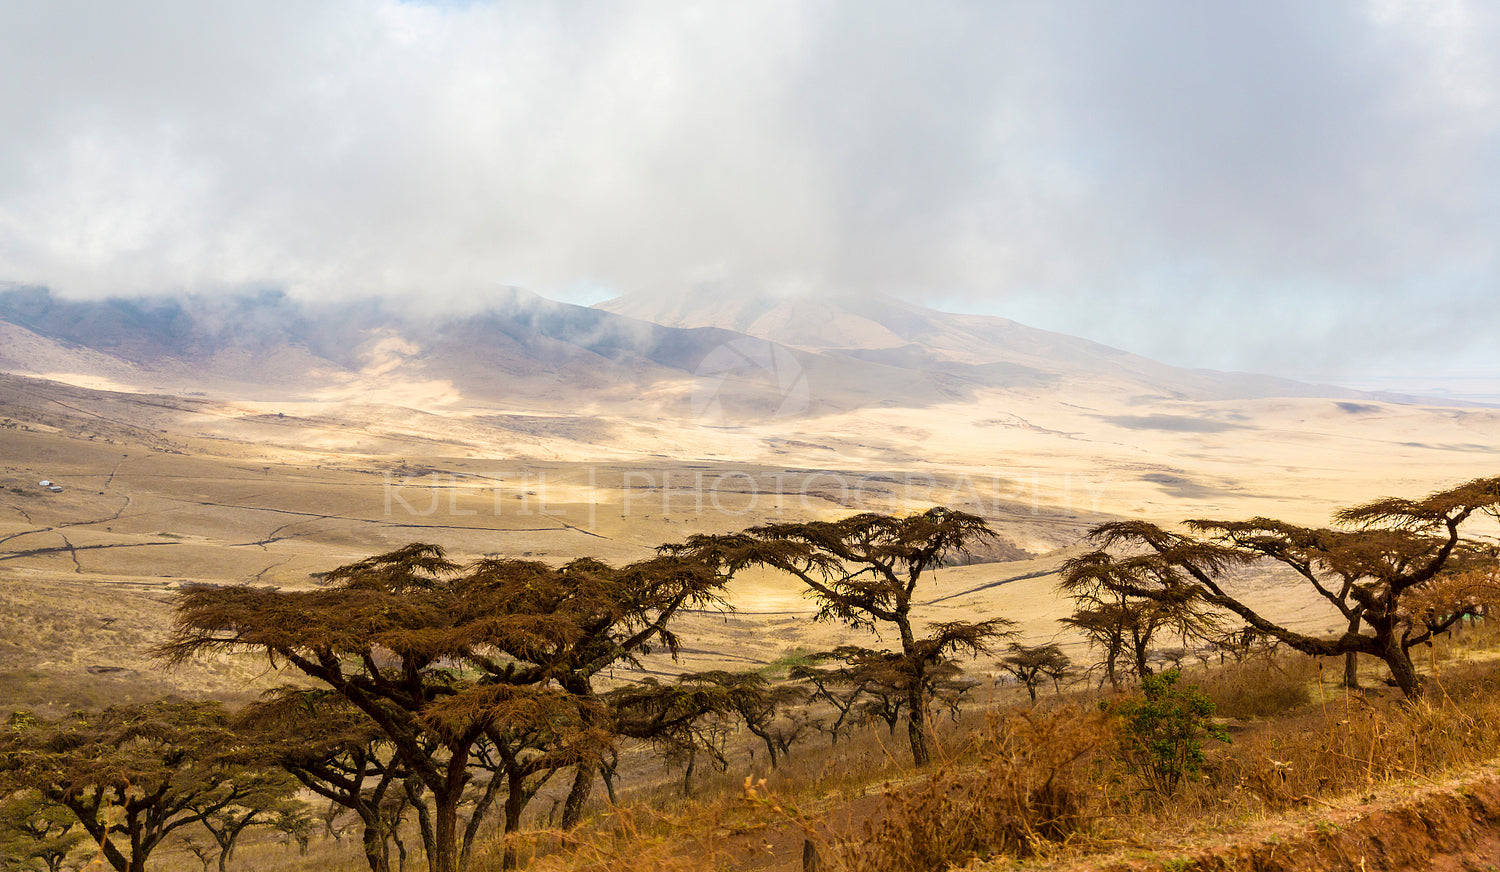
[1043, 783]
[1259, 687]
[231, 507]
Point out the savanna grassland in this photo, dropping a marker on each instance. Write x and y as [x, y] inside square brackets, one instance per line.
[165, 494]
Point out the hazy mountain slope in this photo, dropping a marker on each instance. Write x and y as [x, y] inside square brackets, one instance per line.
[995, 352]
[748, 359]
[518, 348]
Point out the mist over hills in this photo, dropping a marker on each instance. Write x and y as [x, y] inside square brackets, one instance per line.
[833, 392]
[852, 351]
[997, 352]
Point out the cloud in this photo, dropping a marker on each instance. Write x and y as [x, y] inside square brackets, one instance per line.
[1317, 175]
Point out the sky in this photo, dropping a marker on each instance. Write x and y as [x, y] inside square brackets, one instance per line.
[1307, 189]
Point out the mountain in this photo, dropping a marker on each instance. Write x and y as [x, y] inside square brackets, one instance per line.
[880, 394]
[669, 357]
[270, 345]
[995, 352]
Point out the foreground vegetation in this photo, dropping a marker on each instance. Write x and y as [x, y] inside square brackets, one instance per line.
[432, 703]
[1061, 782]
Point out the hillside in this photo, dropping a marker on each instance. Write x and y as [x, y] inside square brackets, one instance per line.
[997, 352]
[870, 385]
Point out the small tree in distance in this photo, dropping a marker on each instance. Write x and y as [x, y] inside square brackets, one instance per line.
[1032, 664]
[1125, 625]
[841, 686]
[35, 829]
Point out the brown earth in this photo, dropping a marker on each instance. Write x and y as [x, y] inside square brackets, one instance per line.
[1453, 826]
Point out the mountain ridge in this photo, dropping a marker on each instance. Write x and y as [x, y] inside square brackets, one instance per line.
[910, 336]
[519, 344]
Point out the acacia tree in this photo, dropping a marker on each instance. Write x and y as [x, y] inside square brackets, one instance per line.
[842, 686]
[865, 571]
[33, 828]
[1031, 664]
[1390, 555]
[1125, 625]
[758, 703]
[132, 775]
[447, 663]
[681, 720]
[266, 798]
[613, 617]
[336, 752]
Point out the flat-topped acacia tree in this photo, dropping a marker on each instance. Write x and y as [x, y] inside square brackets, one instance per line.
[335, 751]
[1125, 626]
[453, 663]
[134, 775]
[1030, 664]
[1396, 571]
[865, 571]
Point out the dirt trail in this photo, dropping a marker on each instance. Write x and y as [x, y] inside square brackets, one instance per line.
[1454, 827]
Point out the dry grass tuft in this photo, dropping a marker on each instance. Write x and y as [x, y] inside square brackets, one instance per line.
[1260, 687]
[627, 838]
[1020, 790]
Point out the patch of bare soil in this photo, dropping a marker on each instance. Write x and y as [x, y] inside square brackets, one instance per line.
[1454, 827]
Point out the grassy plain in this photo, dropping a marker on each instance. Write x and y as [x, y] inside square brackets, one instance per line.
[165, 491]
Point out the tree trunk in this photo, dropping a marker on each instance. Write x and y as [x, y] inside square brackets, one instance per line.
[1141, 646]
[916, 726]
[1403, 672]
[414, 788]
[583, 774]
[444, 849]
[687, 774]
[515, 802]
[1351, 660]
[376, 853]
[578, 796]
[770, 747]
[608, 772]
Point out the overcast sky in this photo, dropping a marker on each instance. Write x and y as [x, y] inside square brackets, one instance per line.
[1304, 188]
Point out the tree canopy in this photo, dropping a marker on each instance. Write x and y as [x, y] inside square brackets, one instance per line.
[457, 667]
[132, 775]
[865, 571]
[1396, 570]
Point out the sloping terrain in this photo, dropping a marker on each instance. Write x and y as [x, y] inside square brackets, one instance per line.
[260, 440]
[996, 352]
[875, 385]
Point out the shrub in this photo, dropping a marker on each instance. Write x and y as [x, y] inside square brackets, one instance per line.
[1161, 732]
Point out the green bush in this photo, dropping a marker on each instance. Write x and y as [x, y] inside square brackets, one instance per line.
[1161, 732]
